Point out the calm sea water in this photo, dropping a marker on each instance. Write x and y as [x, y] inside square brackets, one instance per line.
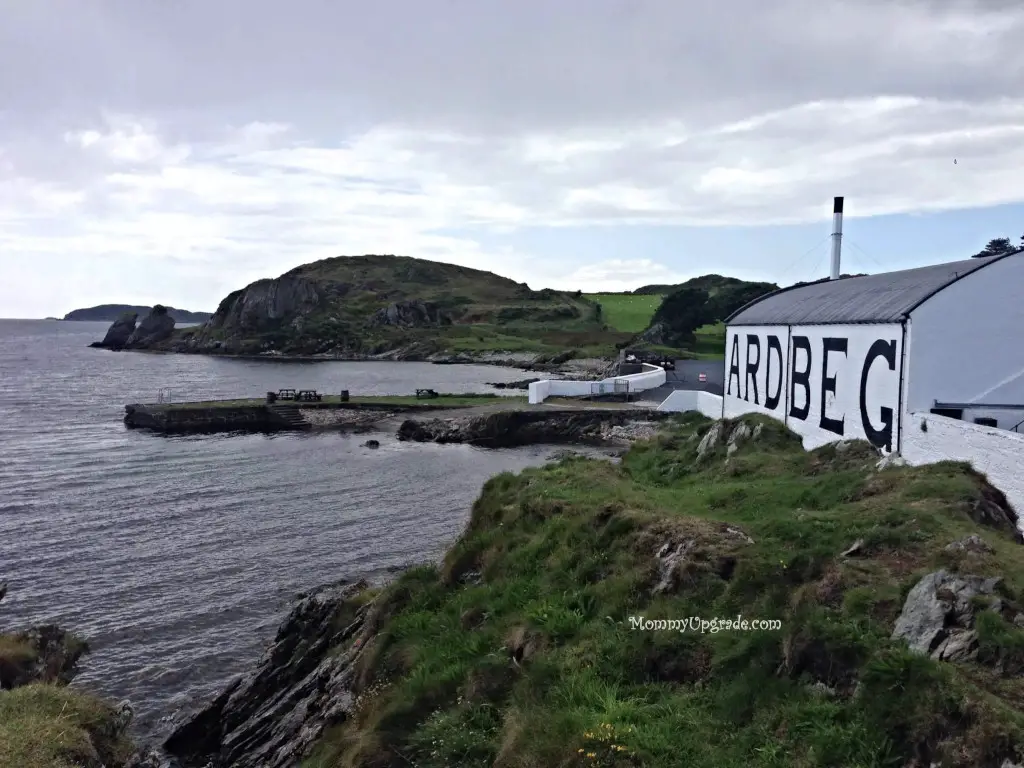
[176, 557]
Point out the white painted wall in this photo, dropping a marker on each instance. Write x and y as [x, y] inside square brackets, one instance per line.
[693, 400]
[1005, 418]
[651, 377]
[967, 342]
[995, 452]
[761, 376]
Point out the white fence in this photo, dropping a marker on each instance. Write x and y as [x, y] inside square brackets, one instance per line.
[651, 378]
[707, 403]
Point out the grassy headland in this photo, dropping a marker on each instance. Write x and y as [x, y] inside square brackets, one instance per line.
[404, 308]
[518, 649]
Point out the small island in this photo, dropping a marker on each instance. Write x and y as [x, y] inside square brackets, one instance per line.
[108, 313]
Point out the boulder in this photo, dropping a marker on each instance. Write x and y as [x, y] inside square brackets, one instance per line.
[119, 332]
[938, 615]
[155, 327]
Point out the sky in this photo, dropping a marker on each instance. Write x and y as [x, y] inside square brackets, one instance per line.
[173, 151]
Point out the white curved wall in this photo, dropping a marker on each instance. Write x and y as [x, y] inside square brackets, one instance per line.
[652, 378]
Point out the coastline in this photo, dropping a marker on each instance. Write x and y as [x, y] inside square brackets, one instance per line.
[697, 518]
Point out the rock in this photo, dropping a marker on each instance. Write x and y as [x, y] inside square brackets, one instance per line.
[853, 549]
[738, 534]
[973, 543]
[739, 435]
[410, 314]
[3, 589]
[823, 690]
[155, 327]
[710, 440]
[302, 685]
[938, 615]
[521, 384]
[124, 717]
[669, 556]
[55, 657]
[119, 332]
[992, 509]
[507, 429]
[892, 460]
[372, 444]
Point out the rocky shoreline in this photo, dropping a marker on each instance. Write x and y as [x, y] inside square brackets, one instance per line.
[514, 428]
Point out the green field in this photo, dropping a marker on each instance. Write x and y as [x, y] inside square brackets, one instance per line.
[710, 342]
[625, 312]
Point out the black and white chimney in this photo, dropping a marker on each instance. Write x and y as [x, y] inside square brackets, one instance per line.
[837, 235]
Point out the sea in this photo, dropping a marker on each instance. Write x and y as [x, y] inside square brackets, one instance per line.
[177, 557]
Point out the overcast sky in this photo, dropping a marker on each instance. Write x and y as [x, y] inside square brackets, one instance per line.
[175, 150]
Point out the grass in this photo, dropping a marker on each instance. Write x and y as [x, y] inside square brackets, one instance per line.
[710, 342]
[625, 312]
[535, 662]
[48, 726]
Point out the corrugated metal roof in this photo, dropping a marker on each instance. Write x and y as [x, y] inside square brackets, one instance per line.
[883, 298]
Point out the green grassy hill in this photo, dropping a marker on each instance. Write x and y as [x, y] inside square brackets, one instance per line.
[411, 308]
[519, 650]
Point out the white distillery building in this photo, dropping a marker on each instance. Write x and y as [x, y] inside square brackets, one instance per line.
[851, 358]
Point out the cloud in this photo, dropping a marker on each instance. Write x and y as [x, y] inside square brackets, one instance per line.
[241, 144]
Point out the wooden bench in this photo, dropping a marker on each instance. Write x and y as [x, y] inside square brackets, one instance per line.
[426, 393]
[308, 395]
[286, 394]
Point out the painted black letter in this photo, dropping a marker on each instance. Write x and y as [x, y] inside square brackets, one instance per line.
[803, 378]
[828, 383]
[753, 342]
[734, 366]
[771, 401]
[880, 438]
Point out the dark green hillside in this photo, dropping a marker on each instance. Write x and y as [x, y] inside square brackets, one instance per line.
[401, 308]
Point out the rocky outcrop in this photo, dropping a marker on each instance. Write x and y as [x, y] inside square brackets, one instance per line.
[119, 332]
[410, 314]
[44, 654]
[155, 327]
[938, 615]
[265, 302]
[507, 429]
[302, 685]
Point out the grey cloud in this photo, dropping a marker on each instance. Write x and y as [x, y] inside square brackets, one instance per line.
[496, 63]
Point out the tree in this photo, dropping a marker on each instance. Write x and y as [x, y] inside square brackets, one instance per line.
[998, 247]
[680, 314]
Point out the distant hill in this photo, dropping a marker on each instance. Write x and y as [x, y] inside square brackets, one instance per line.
[396, 307]
[108, 313]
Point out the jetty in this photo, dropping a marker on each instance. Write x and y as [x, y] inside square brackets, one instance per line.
[298, 410]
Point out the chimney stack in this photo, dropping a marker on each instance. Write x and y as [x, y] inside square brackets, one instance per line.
[837, 235]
